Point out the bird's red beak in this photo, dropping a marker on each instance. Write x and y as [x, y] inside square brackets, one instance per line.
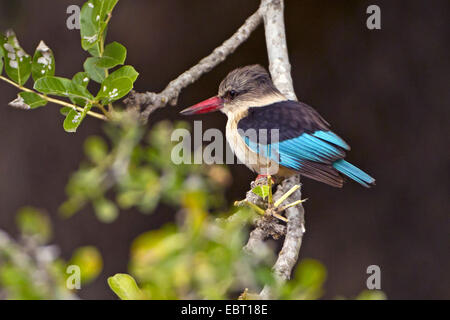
[209, 105]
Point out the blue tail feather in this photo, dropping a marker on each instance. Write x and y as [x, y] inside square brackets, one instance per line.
[353, 173]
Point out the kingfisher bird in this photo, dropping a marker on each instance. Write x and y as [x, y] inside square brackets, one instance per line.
[305, 144]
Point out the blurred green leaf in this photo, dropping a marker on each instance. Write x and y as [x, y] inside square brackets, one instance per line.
[154, 246]
[33, 222]
[71, 206]
[105, 210]
[311, 273]
[18, 282]
[43, 62]
[142, 188]
[371, 295]
[90, 262]
[28, 100]
[125, 287]
[17, 61]
[96, 149]
[307, 284]
[29, 267]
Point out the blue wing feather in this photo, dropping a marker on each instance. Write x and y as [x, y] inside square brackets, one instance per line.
[293, 151]
[333, 138]
[304, 144]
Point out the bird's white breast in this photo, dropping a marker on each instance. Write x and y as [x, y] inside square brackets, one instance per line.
[245, 155]
[236, 112]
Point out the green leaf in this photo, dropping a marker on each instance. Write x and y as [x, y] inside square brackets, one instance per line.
[94, 72]
[43, 62]
[81, 79]
[63, 87]
[96, 149]
[262, 191]
[33, 222]
[310, 274]
[74, 118]
[93, 21]
[117, 85]
[28, 100]
[95, 50]
[125, 72]
[371, 295]
[105, 210]
[72, 121]
[125, 287]
[114, 55]
[17, 61]
[90, 262]
[65, 110]
[96, 67]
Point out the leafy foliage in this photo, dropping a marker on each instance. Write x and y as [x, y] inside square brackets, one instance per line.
[30, 267]
[117, 84]
[19, 66]
[17, 61]
[94, 19]
[34, 223]
[90, 262]
[200, 258]
[125, 287]
[28, 100]
[74, 118]
[262, 191]
[139, 172]
[43, 62]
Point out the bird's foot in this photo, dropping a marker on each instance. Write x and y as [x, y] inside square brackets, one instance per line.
[273, 208]
[264, 177]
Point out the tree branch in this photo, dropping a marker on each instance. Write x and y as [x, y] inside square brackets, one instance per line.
[288, 256]
[170, 94]
[280, 68]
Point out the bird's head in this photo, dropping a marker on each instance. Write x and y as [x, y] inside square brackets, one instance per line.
[245, 87]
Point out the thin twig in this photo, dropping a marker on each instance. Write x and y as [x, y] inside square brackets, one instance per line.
[56, 101]
[170, 94]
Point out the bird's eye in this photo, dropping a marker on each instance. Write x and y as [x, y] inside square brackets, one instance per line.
[232, 93]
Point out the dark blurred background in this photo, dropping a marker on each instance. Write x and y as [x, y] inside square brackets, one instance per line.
[385, 91]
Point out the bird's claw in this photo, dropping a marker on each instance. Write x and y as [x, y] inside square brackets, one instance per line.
[274, 209]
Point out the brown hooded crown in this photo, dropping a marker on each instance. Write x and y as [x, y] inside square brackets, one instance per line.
[247, 83]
